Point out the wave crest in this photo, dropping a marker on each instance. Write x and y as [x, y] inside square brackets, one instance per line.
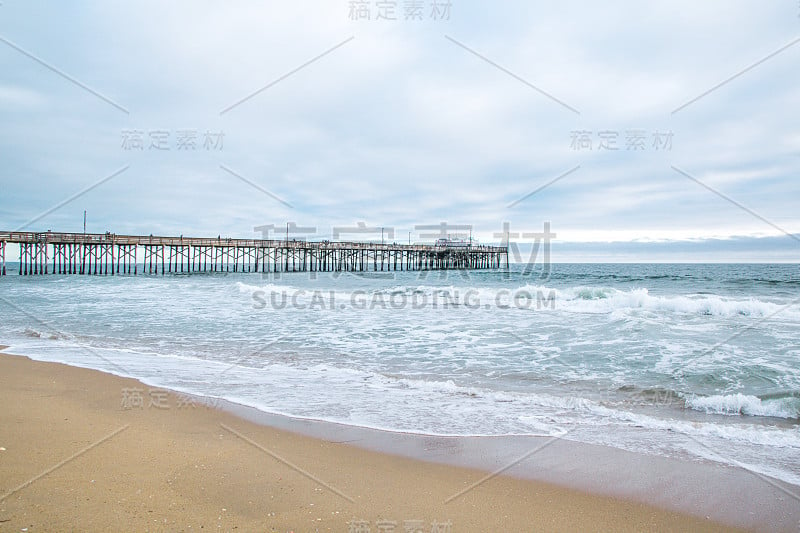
[744, 404]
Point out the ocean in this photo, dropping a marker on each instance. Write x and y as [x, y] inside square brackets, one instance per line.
[700, 362]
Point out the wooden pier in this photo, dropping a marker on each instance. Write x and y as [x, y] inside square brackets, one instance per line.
[110, 254]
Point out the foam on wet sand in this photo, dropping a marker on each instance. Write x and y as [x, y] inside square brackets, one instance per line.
[76, 459]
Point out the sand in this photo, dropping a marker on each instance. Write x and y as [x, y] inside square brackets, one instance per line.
[79, 454]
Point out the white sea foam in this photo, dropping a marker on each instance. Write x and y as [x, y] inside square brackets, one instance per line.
[606, 300]
[744, 404]
[247, 288]
[424, 406]
[579, 299]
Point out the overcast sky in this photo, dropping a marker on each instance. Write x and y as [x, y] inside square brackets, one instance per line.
[207, 118]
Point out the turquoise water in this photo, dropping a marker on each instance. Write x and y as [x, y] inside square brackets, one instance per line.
[694, 361]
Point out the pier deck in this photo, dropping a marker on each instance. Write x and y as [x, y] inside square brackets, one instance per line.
[110, 254]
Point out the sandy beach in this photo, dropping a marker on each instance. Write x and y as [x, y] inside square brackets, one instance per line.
[88, 451]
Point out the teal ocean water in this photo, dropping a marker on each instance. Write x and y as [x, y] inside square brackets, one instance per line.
[693, 361]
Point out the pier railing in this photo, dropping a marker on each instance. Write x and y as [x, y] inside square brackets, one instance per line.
[109, 254]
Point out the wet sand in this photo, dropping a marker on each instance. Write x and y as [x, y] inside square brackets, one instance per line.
[88, 451]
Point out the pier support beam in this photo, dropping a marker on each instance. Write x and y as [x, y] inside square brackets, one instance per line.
[33, 258]
[89, 257]
[74, 252]
[223, 256]
[126, 257]
[23, 257]
[41, 258]
[106, 258]
[248, 255]
[60, 258]
[179, 256]
[152, 254]
[203, 256]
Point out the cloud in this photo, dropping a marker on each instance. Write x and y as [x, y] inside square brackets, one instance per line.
[400, 126]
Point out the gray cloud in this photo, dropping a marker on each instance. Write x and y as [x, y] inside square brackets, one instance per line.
[400, 126]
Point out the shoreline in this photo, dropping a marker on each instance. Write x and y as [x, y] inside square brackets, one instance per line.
[727, 495]
[182, 468]
[707, 488]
